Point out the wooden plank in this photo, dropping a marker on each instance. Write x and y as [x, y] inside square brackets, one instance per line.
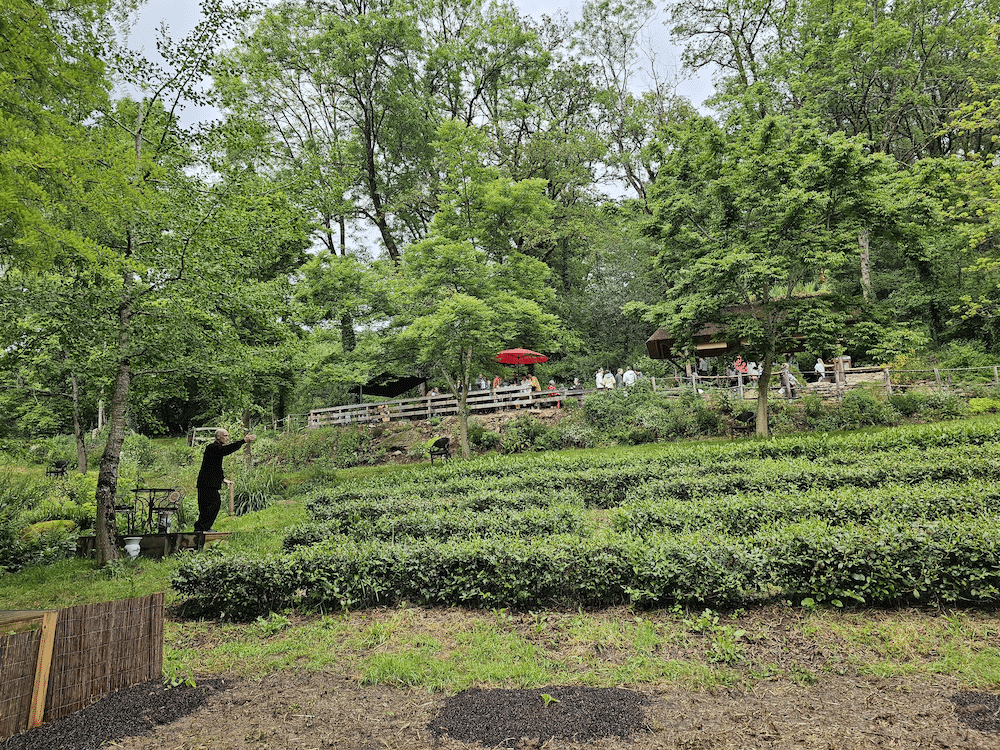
[43, 667]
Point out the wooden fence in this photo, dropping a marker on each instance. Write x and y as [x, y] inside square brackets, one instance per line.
[55, 662]
[426, 407]
[838, 382]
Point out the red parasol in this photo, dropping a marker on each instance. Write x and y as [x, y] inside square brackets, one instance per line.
[519, 357]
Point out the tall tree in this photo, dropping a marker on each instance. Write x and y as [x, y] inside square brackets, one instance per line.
[752, 219]
[337, 86]
[469, 290]
[51, 80]
[174, 260]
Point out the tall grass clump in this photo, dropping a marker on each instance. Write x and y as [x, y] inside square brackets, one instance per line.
[28, 507]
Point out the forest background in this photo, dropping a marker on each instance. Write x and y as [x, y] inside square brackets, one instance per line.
[409, 187]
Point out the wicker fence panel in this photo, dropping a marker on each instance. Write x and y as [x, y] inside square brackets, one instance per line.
[101, 648]
[18, 656]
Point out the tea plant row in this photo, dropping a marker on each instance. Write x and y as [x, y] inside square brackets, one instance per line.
[901, 515]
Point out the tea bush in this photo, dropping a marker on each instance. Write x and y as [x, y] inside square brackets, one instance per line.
[908, 514]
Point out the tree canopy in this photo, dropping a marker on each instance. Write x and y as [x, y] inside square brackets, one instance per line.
[412, 185]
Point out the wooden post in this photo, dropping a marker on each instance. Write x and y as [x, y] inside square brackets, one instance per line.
[996, 376]
[42, 667]
[888, 383]
[231, 499]
[937, 377]
[652, 379]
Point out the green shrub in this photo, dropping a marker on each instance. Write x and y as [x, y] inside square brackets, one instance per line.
[947, 561]
[938, 406]
[521, 434]
[984, 405]
[907, 404]
[860, 408]
[138, 451]
[255, 489]
[609, 410]
[482, 438]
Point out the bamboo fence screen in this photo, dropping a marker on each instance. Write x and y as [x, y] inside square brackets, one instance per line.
[86, 653]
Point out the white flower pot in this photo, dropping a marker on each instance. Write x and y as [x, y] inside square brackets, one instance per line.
[132, 546]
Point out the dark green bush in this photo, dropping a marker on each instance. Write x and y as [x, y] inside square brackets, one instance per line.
[859, 408]
[907, 403]
[954, 561]
[522, 434]
[482, 438]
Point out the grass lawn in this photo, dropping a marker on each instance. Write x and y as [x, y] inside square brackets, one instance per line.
[450, 648]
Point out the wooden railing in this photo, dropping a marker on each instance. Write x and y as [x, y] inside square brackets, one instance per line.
[427, 407]
[520, 397]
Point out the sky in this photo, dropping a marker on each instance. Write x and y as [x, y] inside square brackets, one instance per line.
[180, 16]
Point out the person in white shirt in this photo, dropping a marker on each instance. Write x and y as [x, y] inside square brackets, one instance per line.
[820, 370]
[599, 379]
[629, 377]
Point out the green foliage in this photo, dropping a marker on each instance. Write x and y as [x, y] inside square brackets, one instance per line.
[899, 515]
[27, 501]
[859, 408]
[524, 434]
[981, 406]
[300, 449]
[355, 446]
[482, 438]
[138, 451]
[255, 490]
[906, 403]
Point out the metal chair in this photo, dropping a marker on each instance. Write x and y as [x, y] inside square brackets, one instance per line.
[744, 423]
[441, 448]
[57, 469]
[164, 510]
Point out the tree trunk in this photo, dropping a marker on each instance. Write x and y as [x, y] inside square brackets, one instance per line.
[348, 339]
[106, 527]
[462, 397]
[81, 447]
[866, 273]
[762, 381]
[106, 532]
[246, 448]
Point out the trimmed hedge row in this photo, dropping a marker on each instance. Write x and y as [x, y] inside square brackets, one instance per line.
[954, 561]
[354, 509]
[442, 524]
[743, 515]
[497, 572]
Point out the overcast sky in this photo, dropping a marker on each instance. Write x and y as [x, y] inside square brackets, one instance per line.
[181, 16]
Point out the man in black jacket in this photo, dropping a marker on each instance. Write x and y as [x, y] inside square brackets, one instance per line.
[211, 478]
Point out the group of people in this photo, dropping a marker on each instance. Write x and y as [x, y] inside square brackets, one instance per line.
[609, 380]
[748, 373]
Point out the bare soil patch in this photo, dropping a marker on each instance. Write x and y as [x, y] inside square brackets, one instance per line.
[324, 710]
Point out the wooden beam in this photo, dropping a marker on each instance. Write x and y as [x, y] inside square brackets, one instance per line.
[43, 666]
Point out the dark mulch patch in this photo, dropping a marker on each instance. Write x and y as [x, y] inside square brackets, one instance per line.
[129, 712]
[978, 710]
[501, 718]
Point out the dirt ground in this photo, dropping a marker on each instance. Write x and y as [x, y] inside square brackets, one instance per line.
[325, 710]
